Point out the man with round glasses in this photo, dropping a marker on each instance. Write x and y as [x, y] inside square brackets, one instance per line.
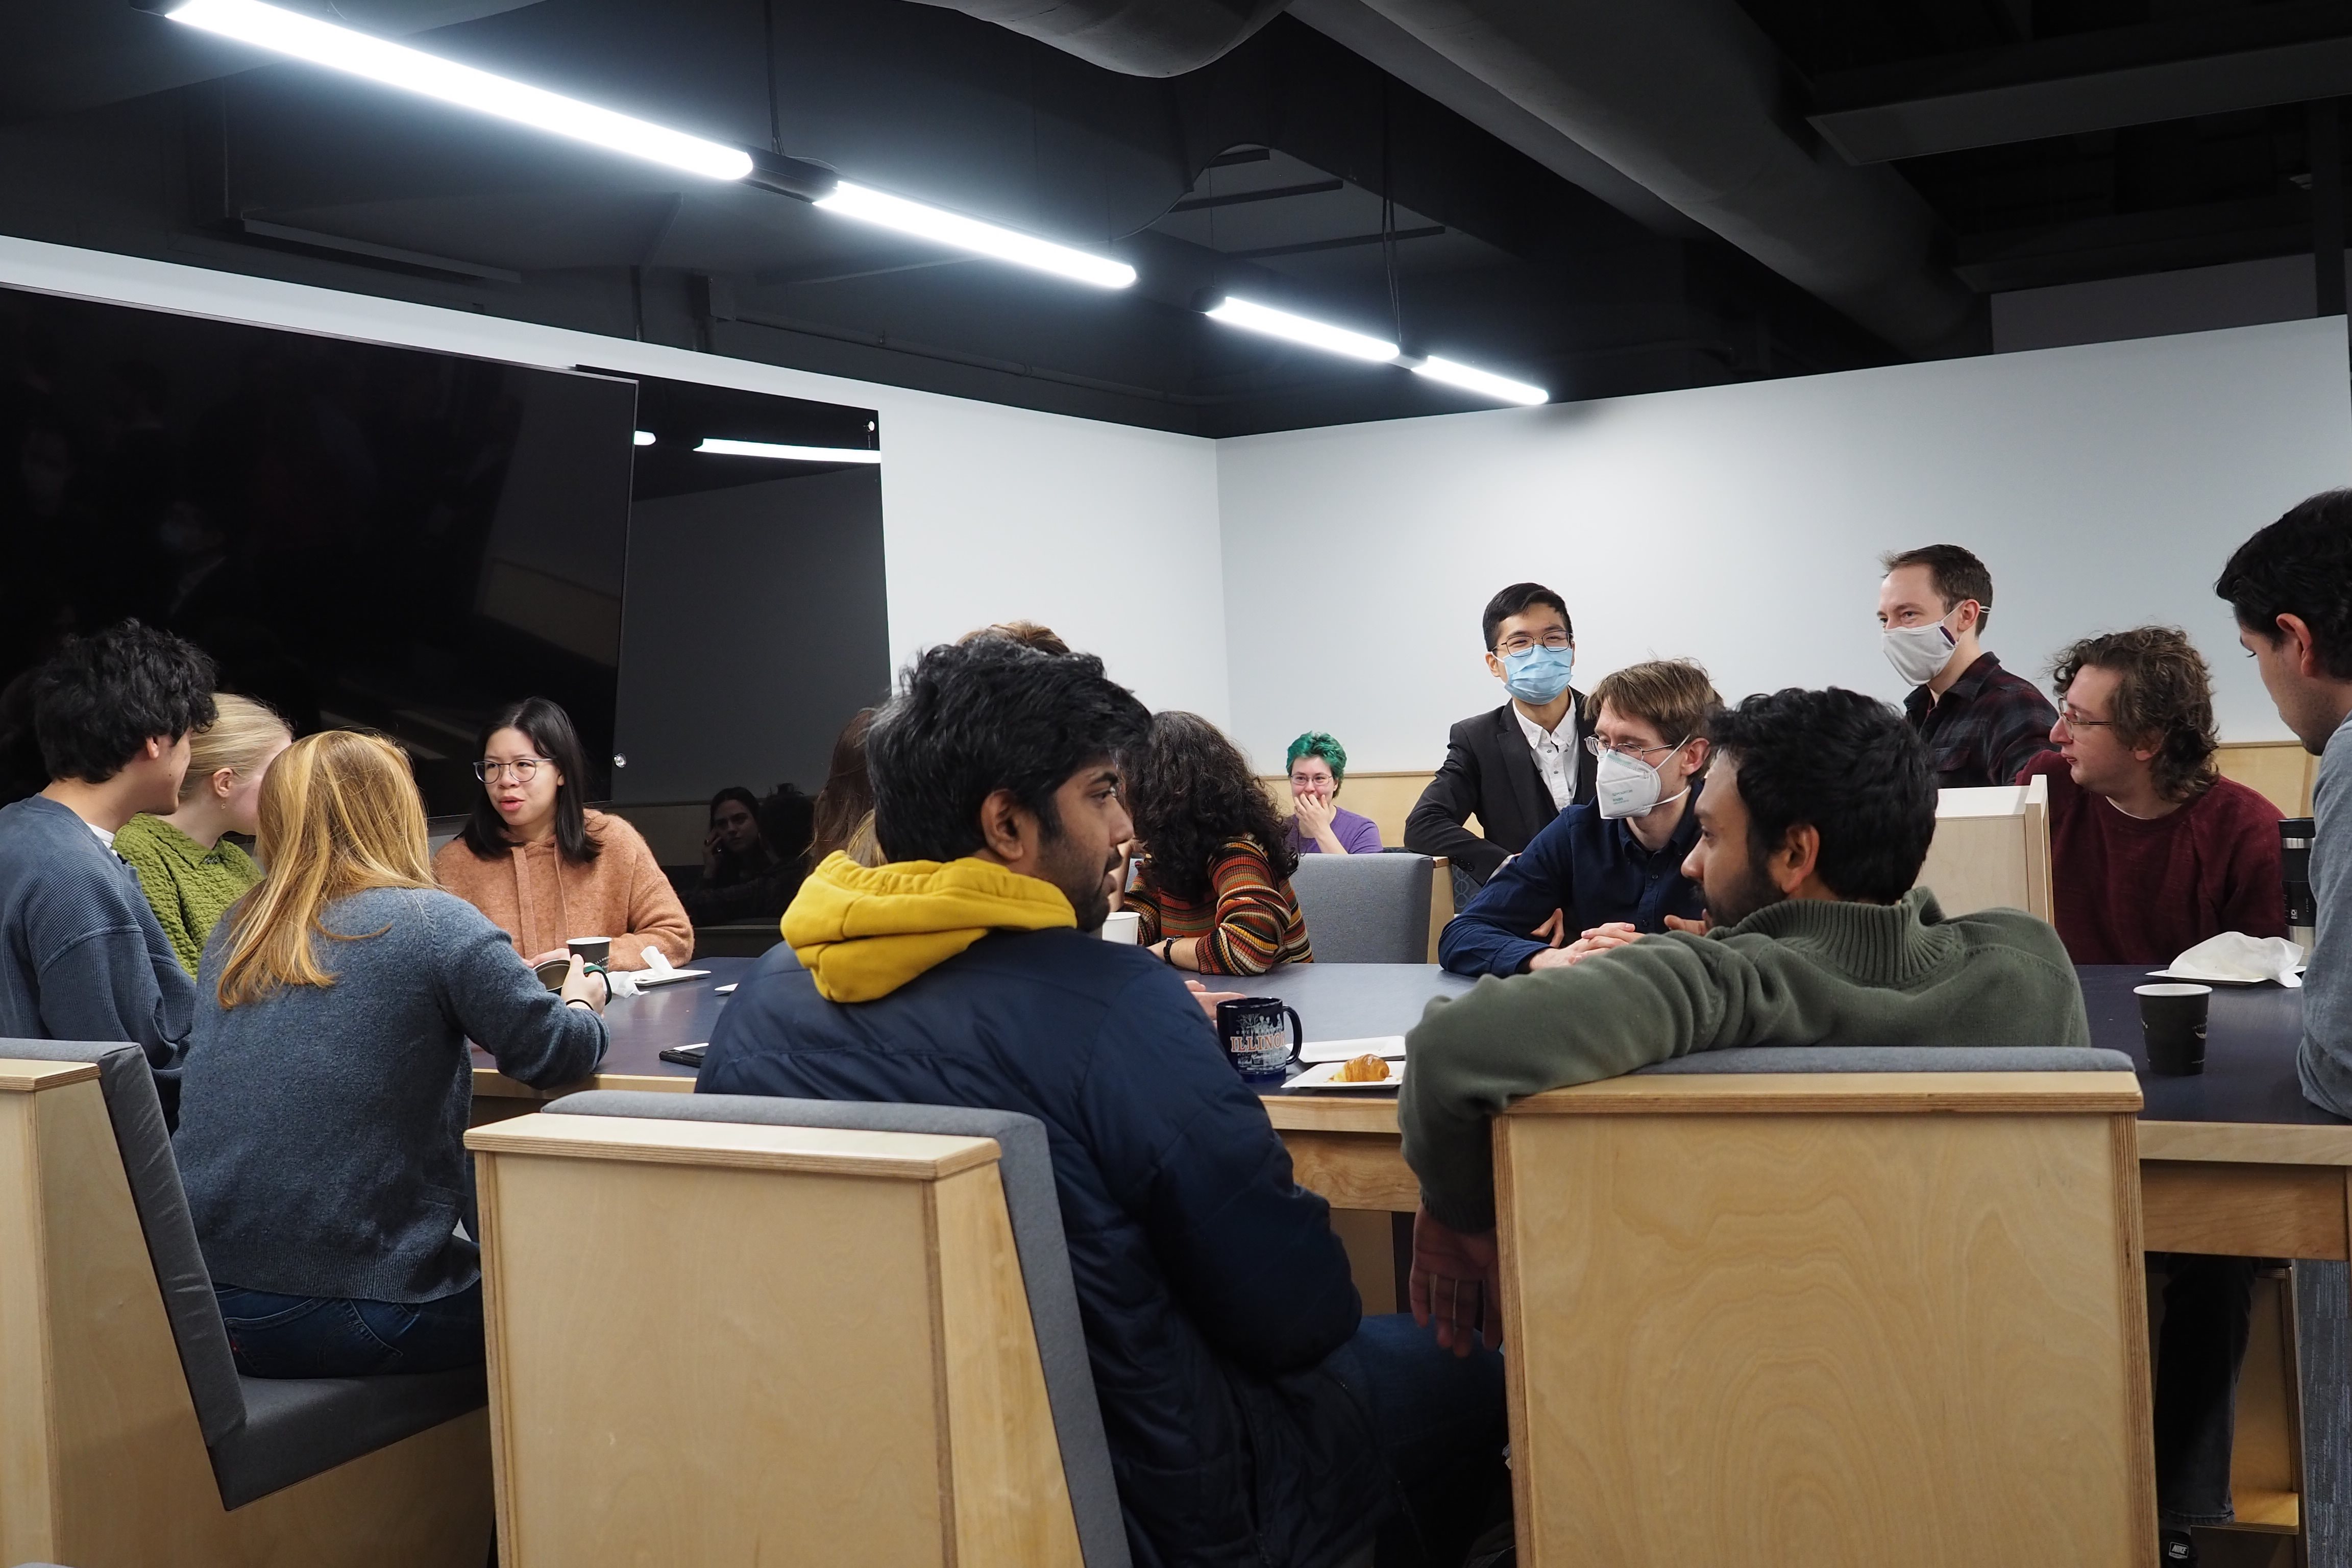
[1609, 869]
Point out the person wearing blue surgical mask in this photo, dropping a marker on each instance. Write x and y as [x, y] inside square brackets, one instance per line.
[1520, 765]
[1608, 870]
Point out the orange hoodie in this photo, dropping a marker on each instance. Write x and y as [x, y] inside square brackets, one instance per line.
[543, 901]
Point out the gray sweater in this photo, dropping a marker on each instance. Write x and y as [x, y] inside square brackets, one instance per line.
[81, 957]
[322, 1129]
[2326, 1060]
[1798, 973]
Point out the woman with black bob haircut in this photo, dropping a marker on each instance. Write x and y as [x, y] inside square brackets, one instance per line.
[1213, 891]
[545, 868]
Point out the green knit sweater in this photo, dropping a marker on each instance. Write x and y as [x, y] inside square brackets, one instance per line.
[1800, 973]
[188, 886]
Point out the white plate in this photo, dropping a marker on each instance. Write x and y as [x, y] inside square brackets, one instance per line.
[1325, 1074]
[667, 977]
[1389, 1046]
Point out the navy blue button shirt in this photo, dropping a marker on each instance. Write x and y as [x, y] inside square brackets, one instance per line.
[1594, 869]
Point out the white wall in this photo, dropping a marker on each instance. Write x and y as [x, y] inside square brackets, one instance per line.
[1106, 533]
[1741, 525]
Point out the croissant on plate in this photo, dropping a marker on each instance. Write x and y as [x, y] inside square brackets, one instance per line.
[1361, 1069]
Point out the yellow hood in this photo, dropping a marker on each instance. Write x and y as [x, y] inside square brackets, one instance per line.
[864, 932]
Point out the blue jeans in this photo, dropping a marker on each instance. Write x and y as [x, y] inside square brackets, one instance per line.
[1440, 1423]
[328, 1336]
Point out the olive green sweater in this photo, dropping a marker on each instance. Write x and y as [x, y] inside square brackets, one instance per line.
[1802, 973]
[188, 886]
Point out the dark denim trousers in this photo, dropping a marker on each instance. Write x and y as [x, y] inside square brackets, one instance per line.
[2207, 1312]
[330, 1336]
[1441, 1425]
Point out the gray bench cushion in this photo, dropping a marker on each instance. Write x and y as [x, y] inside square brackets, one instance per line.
[1898, 1059]
[299, 1428]
[1365, 908]
[1026, 1170]
[263, 1433]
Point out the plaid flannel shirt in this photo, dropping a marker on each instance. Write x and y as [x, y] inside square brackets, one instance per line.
[1986, 728]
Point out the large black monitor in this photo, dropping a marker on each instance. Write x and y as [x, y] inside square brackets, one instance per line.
[361, 535]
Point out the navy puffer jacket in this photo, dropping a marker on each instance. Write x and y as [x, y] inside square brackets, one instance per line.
[1209, 1283]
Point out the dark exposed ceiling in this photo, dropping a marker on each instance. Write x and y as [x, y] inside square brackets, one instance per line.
[2060, 140]
[1499, 194]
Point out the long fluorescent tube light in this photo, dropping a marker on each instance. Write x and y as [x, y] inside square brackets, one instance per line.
[644, 439]
[396, 65]
[1300, 330]
[720, 448]
[970, 234]
[1453, 373]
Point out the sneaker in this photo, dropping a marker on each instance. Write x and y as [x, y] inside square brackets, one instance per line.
[2177, 1548]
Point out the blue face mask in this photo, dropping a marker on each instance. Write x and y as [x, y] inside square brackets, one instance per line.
[1539, 674]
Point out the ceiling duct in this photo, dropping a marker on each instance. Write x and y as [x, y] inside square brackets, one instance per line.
[1134, 37]
[1689, 99]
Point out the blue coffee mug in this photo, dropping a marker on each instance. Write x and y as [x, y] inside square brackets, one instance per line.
[1256, 1041]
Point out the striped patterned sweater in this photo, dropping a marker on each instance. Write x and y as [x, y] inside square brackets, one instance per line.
[1248, 923]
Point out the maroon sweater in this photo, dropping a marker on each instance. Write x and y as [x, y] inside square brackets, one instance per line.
[2129, 891]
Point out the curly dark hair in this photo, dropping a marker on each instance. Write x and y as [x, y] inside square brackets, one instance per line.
[102, 697]
[1848, 764]
[1191, 792]
[975, 717]
[2164, 698]
[2300, 565]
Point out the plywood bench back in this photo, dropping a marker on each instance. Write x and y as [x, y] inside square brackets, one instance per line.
[1991, 849]
[728, 1345]
[1827, 1319]
[105, 1465]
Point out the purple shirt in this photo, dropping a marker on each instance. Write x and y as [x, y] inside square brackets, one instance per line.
[1357, 835]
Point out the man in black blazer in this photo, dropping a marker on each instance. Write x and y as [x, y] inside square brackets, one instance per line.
[1519, 766]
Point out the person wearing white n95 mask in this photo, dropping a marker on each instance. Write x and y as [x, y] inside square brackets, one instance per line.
[1981, 723]
[1626, 783]
[1607, 870]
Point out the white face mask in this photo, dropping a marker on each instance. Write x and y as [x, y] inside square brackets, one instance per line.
[1919, 653]
[1625, 785]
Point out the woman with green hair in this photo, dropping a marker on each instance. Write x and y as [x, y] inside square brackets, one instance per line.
[1317, 824]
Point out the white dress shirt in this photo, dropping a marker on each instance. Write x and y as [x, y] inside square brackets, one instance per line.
[1555, 752]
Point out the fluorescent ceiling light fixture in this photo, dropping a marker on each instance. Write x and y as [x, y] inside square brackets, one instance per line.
[1455, 373]
[719, 448]
[970, 234]
[645, 437]
[1300, 330]
[396, 65]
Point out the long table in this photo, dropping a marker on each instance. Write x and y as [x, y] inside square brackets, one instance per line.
[2234, 1161]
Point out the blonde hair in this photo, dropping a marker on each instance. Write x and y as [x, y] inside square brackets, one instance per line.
[339, 813]
[240, 738]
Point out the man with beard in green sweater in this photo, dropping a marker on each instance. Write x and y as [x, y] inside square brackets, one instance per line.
[1817, 816]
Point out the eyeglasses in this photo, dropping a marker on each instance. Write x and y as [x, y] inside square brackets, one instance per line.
[2074, 721]
[1594, 745]
[523, 769]
[1557, 643]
